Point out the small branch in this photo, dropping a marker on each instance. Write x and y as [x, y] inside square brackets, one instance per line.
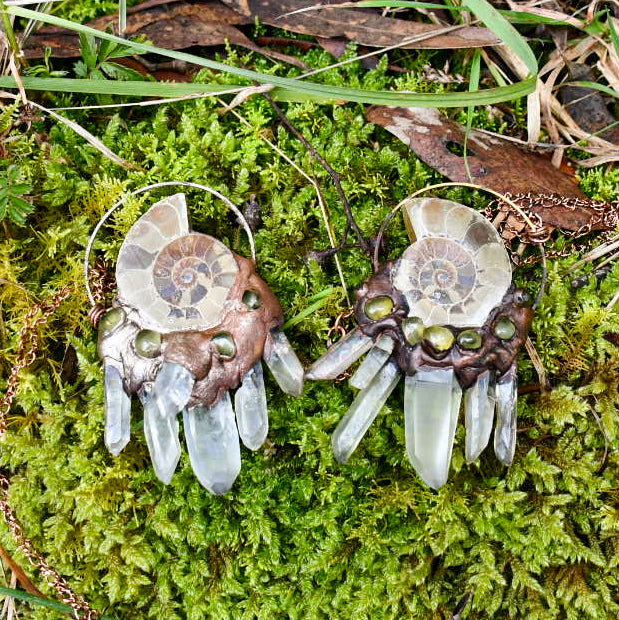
[334, 175]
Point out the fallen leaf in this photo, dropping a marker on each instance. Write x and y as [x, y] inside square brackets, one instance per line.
[548, 195]
[173, 25]
[365, 27]
[495, 163]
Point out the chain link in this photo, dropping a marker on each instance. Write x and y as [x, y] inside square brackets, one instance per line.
[37, 316]
[603, 216]
[103, 287]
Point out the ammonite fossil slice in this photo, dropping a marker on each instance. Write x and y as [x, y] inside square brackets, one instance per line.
[457, 268]
[191, 322]
[446, 316]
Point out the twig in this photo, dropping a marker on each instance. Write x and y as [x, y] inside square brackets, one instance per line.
[539, 366]
[321, 201]
[334, 175]
[542, 288]
[457, 614]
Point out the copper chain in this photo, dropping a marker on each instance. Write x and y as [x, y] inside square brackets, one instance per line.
[103, 286]
[604, 217]
[38, 315]
[28, 346]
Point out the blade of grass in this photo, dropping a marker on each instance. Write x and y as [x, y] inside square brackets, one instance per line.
[42, 602]
[613, 32]
[505, 31]
[493, 95]
[473, 86]
[604, 89]
[321, 298]
[134, 88]
[122, 16]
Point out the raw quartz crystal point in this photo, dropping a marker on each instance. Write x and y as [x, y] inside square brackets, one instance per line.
[117, 412]
[162, 401]
[431, 405]
[161, 430]
[213, 444]
[250, 404]
[340, 356]
[363, 411]
[283, 363]
[479, 402]
[505, 431]
[373, 362]
[172, 388]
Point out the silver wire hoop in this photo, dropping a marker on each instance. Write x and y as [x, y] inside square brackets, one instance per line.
[210, 190]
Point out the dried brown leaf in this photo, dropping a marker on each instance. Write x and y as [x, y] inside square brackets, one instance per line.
[170, 25]
[495, 163]
[365, 27]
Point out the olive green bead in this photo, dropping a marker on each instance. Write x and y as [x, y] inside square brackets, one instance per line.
[440, 338]
[379, 308]
[504, 329]
[148, 343]
[413, 329]
[224, 343]
[110, 320]
[252, 299]
[470, 339]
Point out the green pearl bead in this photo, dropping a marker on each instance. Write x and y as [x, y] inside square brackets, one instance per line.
[504, 329]
[378, 308]
[413, 329]
[470, 339]
[148, 343]
[252, 300]
[439, 338]
[110, 320]
[224, 344]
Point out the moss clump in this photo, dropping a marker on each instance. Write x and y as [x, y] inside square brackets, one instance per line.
[300, 535]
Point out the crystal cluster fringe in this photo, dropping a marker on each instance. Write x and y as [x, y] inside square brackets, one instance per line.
[190, 324]
[446, 317]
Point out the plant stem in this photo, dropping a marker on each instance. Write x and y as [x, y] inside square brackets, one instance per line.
[7, 26]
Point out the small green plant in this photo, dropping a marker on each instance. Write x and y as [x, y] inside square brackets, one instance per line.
[96, 60]
[45, 70]
[12, 188]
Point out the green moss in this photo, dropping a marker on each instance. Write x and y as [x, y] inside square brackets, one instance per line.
[299, 535]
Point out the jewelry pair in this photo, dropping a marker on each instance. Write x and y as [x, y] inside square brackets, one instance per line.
[192, 321]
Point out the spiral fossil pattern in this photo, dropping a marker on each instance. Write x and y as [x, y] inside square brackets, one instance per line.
[178, 280]
[457, 270]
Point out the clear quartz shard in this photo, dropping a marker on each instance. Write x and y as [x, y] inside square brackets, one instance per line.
[340, 356]
[363, 411]
[283, 363]
[213, 444]
[431, 405]
[373, 362]
[505, 431]
[250, 404]
[479, 403]
[172, 388]
[161, 430]
[117, 411]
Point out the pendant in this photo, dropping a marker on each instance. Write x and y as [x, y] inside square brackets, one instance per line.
[446, 316]
[190, 323]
